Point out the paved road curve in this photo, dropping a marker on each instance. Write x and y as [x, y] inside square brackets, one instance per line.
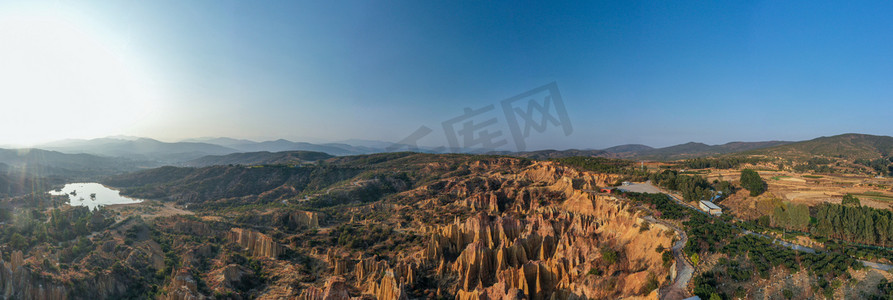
[684, 269]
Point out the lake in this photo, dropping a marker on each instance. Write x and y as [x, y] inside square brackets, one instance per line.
[92, 195]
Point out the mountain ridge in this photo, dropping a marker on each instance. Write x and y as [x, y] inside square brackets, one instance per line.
[857, 145]
[258, 158]
[139, 149]
[847, 145]
[644, 152]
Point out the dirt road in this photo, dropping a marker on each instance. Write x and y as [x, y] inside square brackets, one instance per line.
[684, 269]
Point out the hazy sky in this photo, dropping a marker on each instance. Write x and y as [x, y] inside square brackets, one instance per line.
[657, 73]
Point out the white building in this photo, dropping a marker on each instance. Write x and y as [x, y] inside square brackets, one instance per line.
[710, 208]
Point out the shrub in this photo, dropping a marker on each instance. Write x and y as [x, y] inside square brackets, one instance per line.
[609, 255]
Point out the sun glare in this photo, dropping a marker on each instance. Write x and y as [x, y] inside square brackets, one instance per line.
[58, 80]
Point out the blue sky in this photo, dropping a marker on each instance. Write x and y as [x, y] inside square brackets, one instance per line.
[656, 73]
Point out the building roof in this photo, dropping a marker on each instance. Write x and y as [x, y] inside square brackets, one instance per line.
[709, 204]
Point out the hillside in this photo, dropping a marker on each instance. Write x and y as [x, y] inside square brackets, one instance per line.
[849, 146]
[39, 162]
[283, 182]
[15, 183]
[627, 150]
[258, 158]
[550, 154]
[692, 150]
[197, 185]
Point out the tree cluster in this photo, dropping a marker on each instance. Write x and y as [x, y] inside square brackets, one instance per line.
[763, 257]
[849, 199]
[881, 165]
[719, 162]
[692, 187]
[866, 252]
[858, 224]
[32, 227]
[667, 208]
[752, 181]
[815, 164]
[724, 189]
[707, 234]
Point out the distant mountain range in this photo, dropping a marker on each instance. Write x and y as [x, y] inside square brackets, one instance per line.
[849, 146]
[145, 149]
[637, 151]
[138, 149]
[222, 150]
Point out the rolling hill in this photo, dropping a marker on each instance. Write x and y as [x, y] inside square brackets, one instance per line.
[24, 171]
[643, 152]
[14, 183]
[848, 146]
[692, 149]
[258, 158]
[42, 163]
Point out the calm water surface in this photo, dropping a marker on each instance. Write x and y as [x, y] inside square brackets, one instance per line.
[92, 195]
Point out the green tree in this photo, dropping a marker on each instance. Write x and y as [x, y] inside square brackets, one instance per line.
[780, 217]
[791, 216]
[849, 199]
[17, 241]
[752, 181]
[799, 216]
